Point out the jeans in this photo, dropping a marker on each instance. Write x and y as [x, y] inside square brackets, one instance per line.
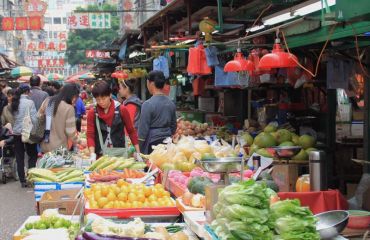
[20, 148]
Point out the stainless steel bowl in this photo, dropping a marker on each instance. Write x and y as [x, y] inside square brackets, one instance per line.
[330, 224]
[221, 165]
[287, 152]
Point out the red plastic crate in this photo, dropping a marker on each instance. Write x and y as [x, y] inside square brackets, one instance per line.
[134, 212]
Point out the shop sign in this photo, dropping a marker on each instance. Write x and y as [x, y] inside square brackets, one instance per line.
[89, 21]
[97, 54]
[46, 46]
[21, 23]
[46, 62]
[35, 7]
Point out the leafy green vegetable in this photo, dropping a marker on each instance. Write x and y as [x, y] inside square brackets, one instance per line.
[246, 214]
[254, 231]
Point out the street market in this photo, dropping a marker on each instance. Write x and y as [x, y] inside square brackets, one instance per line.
[185, 120]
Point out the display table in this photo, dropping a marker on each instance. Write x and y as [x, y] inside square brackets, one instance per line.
[318, 201]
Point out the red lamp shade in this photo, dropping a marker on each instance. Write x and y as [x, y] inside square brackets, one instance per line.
[239, 64]
[278, 59]
[119, 75]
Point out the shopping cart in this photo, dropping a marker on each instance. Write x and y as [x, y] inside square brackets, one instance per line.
[8, 164]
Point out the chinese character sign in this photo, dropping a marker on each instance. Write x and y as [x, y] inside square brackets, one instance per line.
[21, 23]
[47, 62]
[89, 21]
[46, 46]
[97, 54]
[35, 7]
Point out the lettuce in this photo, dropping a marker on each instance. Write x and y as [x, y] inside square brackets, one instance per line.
[291, 223]
[246, 214]
[254, 231]
[289, 207]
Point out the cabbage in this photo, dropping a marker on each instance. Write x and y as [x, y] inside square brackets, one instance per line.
[254, 231]
[289, 207]
[246, 214]
[291, 223]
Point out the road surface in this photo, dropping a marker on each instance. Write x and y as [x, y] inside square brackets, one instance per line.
[16, 204]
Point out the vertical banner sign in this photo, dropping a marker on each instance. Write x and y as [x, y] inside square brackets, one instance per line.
[128, 17]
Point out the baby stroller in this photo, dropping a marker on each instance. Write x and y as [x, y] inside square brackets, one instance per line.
[8, 164]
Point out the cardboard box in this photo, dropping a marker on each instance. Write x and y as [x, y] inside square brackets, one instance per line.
[42, 187]
[357, 129]
[64, 200]
[343, 130]
[285, 176]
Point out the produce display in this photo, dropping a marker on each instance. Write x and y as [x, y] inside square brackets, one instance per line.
[194, 200]
[50, 223]
[65, 176]
[102, 175]
[55, 159]
[272, 137]
[115, 163]
[99, 228]
[250, 210]
[181, 156]
[194, 128]
[126, 195]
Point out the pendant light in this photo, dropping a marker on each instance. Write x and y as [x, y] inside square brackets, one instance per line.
[239, 63]
[278, 58]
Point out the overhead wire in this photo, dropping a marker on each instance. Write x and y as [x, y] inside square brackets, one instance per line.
[258, 18]
[365, 72]
[320, 56]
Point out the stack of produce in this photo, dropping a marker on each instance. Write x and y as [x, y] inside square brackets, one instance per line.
[242, 212]
[55, 159]
[194, 128]
[99, 228]
[51, 224]
[272, 137]
[125, 195]
[65, 176]
[181, 156]
[250, 210]
[82, 144]
[112, 176]
[116, 163]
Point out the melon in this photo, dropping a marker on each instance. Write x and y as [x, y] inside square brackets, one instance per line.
[306, 141]
[264, 140]
[283, 135]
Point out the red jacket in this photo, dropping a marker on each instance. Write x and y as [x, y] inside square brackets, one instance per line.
[108, 118]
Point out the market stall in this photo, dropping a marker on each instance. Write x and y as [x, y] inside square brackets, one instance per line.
[254, 151]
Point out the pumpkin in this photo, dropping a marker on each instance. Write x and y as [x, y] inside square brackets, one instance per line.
[303, 183]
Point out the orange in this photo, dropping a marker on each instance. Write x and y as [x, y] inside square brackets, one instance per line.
[97, 194]
[166, 194]
[147, 191]
[109, 205]
[146, 204]
[128, 205]
[158, 186]
[124, 189]
[102, 201]
[122, 196]
[104, 191]
[121, 183]
[131, 197]
[95, 187]
[152, 198]
[116, 204]
[111, 196]
[141, 197]
[154, 204]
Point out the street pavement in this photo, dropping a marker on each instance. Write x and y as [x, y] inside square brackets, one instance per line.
[16, 204]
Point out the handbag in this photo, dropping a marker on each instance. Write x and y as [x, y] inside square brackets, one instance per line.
[27, 127]
[38, 129]
[113, 152]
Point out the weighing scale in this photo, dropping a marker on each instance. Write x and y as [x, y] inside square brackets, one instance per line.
[222, 166]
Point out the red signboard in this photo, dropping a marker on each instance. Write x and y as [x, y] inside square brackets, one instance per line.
[7, 24]
[47, 62]
[97, 54]
[35, 23]
[46, 46]
[35, 7]
[21, 23]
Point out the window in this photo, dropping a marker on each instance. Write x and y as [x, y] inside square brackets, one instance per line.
[64, 20]
[55, 35]
[57, 20]
[47, 20]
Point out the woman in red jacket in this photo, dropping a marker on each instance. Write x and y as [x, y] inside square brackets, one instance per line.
[113, 120]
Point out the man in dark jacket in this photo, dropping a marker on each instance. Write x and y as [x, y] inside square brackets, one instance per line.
[37, 95]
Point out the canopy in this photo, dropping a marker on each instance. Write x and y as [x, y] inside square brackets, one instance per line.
[55, 77]
[24, 79]
[21, 72]
[86, 76]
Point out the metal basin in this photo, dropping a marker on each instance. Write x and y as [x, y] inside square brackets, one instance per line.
[330, 224]
[286, 152]
[221, 165]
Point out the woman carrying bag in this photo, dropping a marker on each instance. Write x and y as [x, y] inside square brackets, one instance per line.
[106, 124]
[23, 109]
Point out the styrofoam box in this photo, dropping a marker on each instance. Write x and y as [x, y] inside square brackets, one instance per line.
[43, 187]
[357, 129]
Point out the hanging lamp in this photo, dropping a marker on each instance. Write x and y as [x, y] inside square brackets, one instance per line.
[239, 63]
[278, 58]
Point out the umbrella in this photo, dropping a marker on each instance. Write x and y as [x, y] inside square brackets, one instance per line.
[6, 63]
[87, 76]
[21, 71]
[55, 77]
[27, 78]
